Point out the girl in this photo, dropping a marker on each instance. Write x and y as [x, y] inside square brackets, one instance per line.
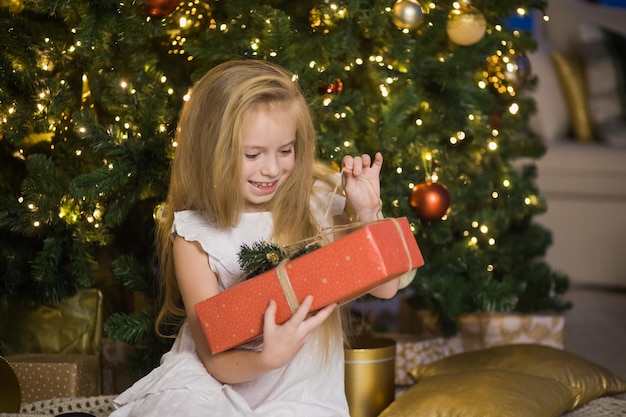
[244, 171]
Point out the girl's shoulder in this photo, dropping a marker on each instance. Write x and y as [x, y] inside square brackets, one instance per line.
[193, 225]
[190, 224]
[189, 216]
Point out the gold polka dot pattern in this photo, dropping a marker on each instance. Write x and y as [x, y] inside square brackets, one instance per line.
[47, 376]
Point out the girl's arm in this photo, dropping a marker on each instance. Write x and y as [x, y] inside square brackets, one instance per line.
[198, 282]
[361, 182]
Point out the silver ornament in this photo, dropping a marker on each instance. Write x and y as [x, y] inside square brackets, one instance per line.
[407, 14]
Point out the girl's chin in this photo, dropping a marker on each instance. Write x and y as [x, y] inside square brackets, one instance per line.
[257, 202]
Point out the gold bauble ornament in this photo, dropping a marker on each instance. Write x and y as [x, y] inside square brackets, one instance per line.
[158, 213]
[466, 25]
[407, 14]
[15, 6]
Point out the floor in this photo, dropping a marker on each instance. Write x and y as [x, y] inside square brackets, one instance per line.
[595, 328]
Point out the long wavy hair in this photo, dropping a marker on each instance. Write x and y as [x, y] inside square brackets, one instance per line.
[206, 168]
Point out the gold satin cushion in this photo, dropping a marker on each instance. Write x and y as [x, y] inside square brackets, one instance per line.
[589, 379]
[483, 393]
[572, 81]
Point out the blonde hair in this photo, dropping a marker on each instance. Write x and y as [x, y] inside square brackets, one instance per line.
[206, 169]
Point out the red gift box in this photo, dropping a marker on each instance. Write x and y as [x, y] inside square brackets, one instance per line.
[338, 272]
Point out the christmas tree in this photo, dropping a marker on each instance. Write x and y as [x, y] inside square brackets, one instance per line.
[90, 92]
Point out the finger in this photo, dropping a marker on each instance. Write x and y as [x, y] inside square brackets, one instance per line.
[367, 160]
[326, 311]
[347, 162]
[303, 309]
[377, 164]
[357, 167]
[321, 315]
[378, 160]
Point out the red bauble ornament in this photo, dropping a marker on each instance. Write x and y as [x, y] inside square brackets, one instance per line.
[430, 200]
[159, 8]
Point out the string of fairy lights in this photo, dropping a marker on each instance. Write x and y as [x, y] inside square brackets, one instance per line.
[506, 71]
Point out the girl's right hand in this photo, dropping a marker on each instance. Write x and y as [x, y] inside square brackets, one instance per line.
[282, 342]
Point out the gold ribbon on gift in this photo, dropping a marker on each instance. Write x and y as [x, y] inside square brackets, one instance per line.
[285, 285]
[407, 277]
[285, 282]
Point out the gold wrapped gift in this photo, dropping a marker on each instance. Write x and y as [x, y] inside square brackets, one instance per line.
[484, 330]
[73, 326]
[44, 377]
[54, 349]
[413, 350]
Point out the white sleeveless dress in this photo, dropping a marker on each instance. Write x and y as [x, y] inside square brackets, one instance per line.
[311, 385]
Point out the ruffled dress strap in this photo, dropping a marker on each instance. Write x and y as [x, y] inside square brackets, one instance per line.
[222, 245]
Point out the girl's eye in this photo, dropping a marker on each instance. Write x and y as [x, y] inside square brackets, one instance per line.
[251, 155]
[287, 151]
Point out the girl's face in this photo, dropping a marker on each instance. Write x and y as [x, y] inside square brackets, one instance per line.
[269, 136]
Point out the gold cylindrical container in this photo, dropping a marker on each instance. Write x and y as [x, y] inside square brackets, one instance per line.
[370, 363]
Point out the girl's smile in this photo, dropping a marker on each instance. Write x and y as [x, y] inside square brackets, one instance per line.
[265, 187]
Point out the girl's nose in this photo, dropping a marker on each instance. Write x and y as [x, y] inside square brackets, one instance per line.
[270, 167]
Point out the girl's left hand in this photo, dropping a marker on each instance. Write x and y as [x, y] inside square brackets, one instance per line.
[361, 181]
